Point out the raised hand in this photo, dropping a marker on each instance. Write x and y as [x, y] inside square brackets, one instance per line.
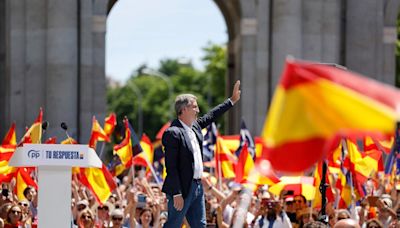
[236, 92]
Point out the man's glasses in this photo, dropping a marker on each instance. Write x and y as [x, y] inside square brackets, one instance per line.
[297, 201]
[103, 208]
[117, 218]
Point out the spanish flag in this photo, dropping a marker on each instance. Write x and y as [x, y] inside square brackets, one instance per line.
[34, 133]
[224, 159]
[98, 134]
[23, 180]
[99, 181]
[124, 149]
[313, 103]
[145, 158]
[7, 149]
[109, 124]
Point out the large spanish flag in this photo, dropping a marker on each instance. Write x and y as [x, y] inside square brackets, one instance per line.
[313, 103]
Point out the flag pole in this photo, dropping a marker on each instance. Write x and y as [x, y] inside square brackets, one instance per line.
[322, 188]
[102, 150]
[219, 172]
[153, 172]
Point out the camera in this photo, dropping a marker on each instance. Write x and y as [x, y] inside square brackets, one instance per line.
[268, 203]
[141, 201]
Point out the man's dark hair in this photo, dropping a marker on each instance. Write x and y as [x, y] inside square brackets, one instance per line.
[303, 197]
[26, 190]
[315, 224]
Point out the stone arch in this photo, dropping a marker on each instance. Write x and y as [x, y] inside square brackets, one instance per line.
[231, 11]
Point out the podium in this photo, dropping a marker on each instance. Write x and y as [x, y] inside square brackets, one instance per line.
[54, 162]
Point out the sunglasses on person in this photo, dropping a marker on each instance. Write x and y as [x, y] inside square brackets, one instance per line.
[23, 204]
[103, 208]
[117, 218]
[80, 207]
[86, 217]
[16, 212]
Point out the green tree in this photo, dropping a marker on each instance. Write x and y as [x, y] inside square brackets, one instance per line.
[208, 85]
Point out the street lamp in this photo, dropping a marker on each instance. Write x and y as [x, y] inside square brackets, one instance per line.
[140, 110]
[167, 79]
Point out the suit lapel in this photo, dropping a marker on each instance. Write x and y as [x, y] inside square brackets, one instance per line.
[186, 136]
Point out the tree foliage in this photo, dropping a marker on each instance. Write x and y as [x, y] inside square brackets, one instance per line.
[208, 85]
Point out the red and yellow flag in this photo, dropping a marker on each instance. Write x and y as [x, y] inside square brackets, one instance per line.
[6, 151]
[313, 103]
[224, 159]
[34, 133]
[23, 180]
[317, 202]
[244, 165]
[109, 124]
[98, 134]
[99, 181]
[145, 157]
[124, 149]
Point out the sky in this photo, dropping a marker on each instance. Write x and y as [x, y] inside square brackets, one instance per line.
[147, 31]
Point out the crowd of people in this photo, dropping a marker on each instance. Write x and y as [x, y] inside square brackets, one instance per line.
[139, 202]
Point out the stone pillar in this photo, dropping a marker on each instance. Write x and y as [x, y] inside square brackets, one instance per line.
[286, 34]
[35, 60]
[86, 70]
[248, 35]
[16, 64]
[62, 66]
[262, 78]
[364, 37]
[389, 39]
[3, 79]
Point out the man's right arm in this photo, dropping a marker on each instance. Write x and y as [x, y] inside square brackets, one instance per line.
[171, 143]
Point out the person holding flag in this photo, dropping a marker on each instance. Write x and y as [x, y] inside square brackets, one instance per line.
[182, 143]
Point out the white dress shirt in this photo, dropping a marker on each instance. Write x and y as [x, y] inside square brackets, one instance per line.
[198, 160]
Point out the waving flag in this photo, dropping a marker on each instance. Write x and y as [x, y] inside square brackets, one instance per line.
[124, 149]
[313, 103]
[224, 159]
[99, 181]
[7, 149]
[246, 138]
[34, 133]
[146, 156]
[98, 134]
[23, 180]
[109, 124]
[210, 138]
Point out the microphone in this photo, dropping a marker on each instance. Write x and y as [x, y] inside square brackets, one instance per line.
[64, 126]
[45, 125]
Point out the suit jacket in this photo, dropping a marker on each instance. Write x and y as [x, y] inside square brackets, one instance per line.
[179, 159]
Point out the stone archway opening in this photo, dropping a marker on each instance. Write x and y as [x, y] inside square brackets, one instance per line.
[230, 14]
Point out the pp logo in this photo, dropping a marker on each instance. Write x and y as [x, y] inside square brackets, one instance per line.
[33, 154]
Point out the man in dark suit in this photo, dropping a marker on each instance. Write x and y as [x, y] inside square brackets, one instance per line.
[183, 142]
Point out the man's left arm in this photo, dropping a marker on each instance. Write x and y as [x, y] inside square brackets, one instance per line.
[220, 109]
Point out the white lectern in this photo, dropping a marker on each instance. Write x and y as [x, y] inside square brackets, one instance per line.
[54, 162]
